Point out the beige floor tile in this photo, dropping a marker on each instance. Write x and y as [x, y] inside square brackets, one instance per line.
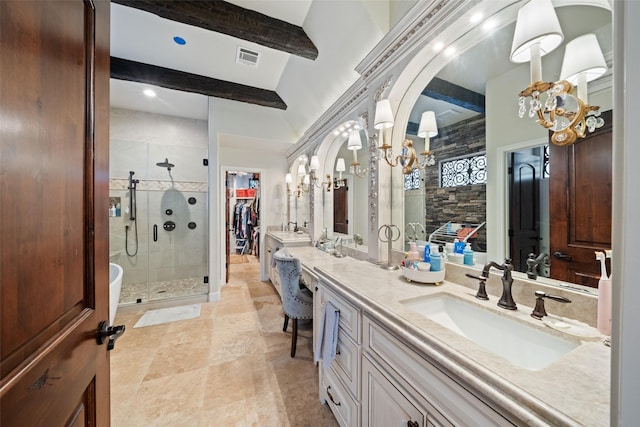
[228, 367]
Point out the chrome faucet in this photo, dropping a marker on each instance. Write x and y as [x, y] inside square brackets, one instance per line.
[533, 262]
[506, 300]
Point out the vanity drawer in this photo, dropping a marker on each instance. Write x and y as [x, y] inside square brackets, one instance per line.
[344, 408]
[347, 362]
[309, 279]
[349, 316]
[449, 399]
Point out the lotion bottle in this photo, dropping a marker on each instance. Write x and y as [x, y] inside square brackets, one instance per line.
[468, 255]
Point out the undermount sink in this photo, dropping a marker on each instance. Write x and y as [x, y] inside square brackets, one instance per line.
[521, 344]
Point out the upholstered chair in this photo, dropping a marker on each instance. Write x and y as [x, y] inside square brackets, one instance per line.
[297, 301]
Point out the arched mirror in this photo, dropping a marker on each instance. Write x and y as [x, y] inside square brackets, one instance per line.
[494, 171]
[299, 188]
[345, 206]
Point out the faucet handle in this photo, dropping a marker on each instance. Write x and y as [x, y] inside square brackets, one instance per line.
[482, 291]
[539, 312]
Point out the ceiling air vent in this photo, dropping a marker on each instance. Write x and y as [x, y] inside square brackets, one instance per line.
[247, 57]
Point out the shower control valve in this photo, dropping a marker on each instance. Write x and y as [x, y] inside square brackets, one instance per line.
[169, 226]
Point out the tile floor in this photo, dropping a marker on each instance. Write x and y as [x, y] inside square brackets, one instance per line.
[228, 367]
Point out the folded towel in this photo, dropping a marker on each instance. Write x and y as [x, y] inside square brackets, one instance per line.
[327, 342]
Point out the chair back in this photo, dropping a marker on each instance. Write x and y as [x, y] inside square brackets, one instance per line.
[295, 304]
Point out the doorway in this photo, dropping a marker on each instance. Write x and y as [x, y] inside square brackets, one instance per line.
[242, 216]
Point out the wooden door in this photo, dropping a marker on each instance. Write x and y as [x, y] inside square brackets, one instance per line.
[341, 209]
[580, 205]
[54, 268]
[525, 173]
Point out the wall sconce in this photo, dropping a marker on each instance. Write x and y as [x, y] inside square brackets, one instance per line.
[354, 144]
[383, 119]
[426, 130]
[340, 167]
[304, 185]
[313, 167]
[569, 116]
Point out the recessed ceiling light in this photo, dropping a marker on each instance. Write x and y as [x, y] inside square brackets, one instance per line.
[345, 134]
[149, 92]
[490, 24]
[450, 51]
[341, 128]
[336, 132]
[179, 40]
[438, 46]
[357, 126]
[477, 17]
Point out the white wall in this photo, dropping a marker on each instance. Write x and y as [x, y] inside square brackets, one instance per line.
[237, 142]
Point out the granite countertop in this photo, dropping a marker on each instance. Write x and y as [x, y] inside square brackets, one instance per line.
[290, 236]
[573, 390]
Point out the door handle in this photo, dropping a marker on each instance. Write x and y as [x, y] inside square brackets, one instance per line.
[562, 256]
[155, 232]
[112, 332]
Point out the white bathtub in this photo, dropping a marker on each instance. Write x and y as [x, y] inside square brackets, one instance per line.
[115, 283]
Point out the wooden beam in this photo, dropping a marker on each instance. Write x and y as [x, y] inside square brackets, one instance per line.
[454, 94]
[123, 69]
[235, 21]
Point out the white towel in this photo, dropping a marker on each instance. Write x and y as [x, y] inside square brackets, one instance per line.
[327, 342]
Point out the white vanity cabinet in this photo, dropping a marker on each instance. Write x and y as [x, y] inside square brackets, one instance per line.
[440, 399]
[340, 383]
[275, 240]
[387, 404]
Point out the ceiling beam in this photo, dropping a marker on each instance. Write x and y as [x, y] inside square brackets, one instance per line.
[235, 21]
[454, 94]
[123, 69]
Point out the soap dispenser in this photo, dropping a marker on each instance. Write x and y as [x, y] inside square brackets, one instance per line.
[468, 255]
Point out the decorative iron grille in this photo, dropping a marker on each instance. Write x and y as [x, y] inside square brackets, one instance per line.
[463, 171]
[412, 181]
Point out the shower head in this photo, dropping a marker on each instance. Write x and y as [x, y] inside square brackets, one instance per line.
[165, 164]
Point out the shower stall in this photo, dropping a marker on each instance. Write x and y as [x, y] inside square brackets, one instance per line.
[160, 235]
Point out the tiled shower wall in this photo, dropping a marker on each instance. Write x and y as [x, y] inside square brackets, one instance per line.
[138, 141]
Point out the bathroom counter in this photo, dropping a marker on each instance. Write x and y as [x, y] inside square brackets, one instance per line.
[288, 237]
[573, 390]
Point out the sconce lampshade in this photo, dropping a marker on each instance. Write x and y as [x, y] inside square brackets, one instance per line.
[315, 163]
[302, 169]
[355, 143]
[306, 180]
[287, 178]
[384, 116]
[340, 167]
[583, 55]
[428, 127]
[537, 23]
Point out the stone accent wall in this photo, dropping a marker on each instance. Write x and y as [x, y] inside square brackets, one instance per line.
[467, 204]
